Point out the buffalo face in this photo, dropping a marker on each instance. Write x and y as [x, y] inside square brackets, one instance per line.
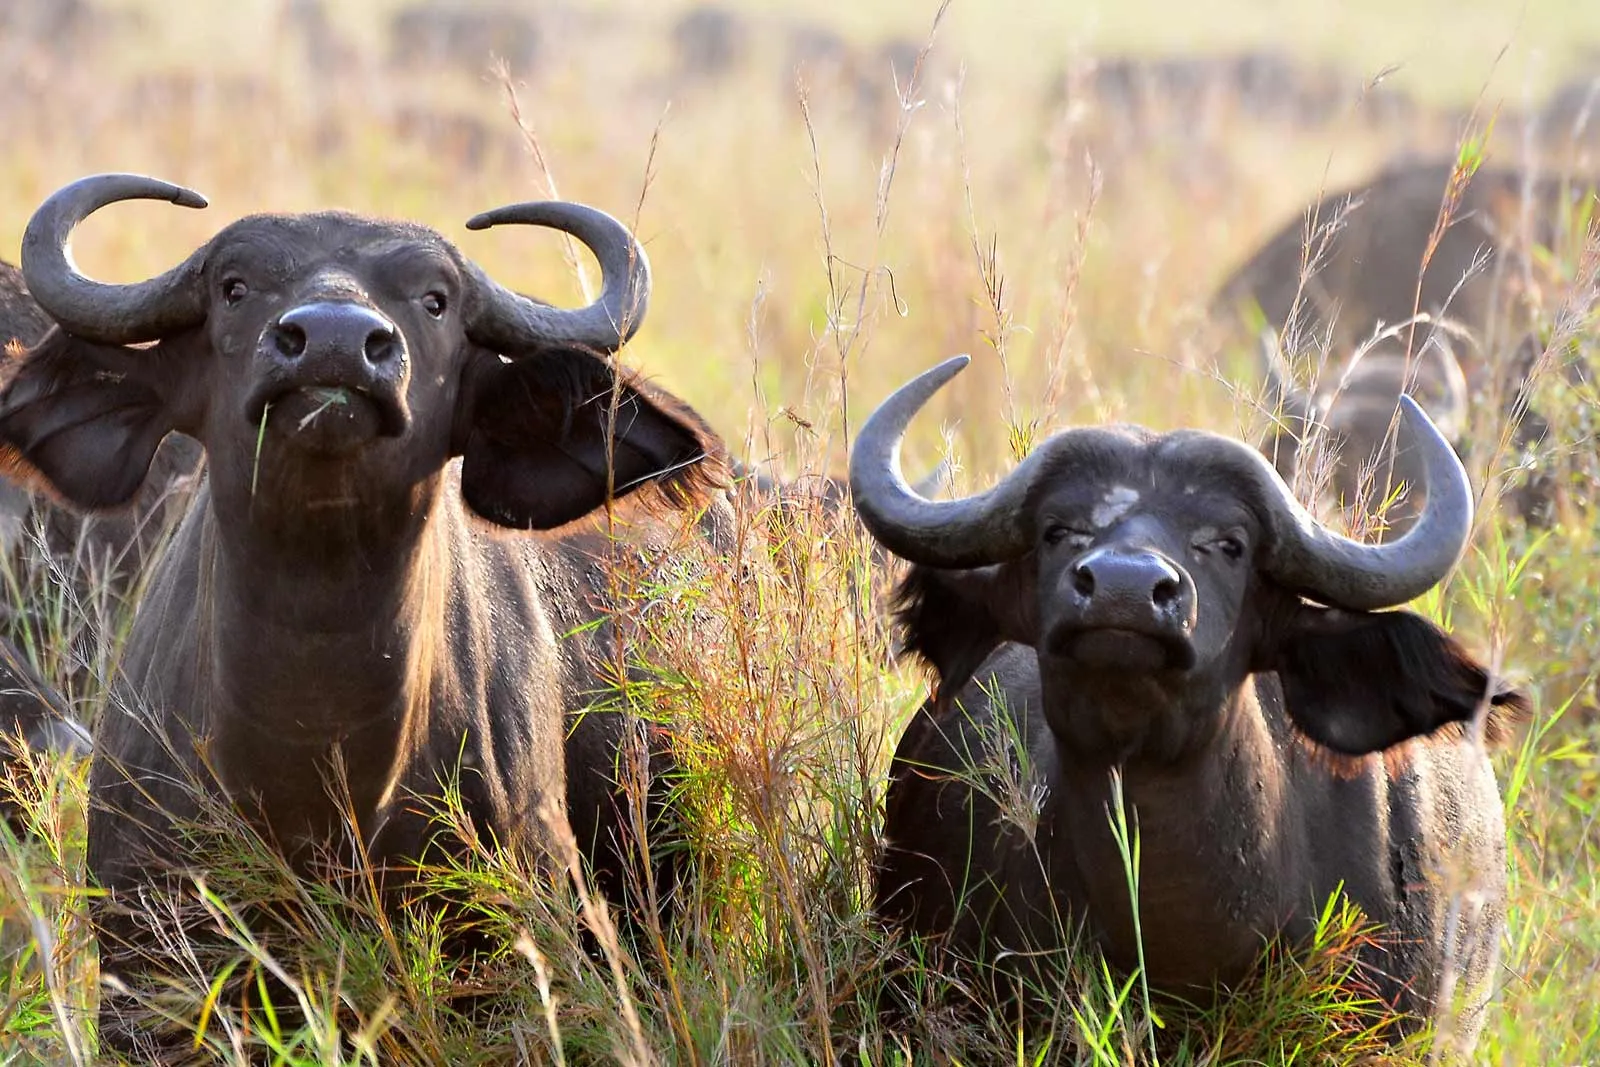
[1153, 575]
[331, 364]
[1141, 573]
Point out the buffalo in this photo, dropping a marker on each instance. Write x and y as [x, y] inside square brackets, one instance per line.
[55, 24]
[439, 34]
[1367, 254]
[342, 603]
[1359, 274]
[1169, 92]
[1154, 616]
[324, 47]
[1348, 413]
[34, 717]
[1571, 111]
[1178, 108]
[812, 49]
[868, 84]
[34, 720]
[21, 320]
[21, 323]
[709, 41]
[104, 553]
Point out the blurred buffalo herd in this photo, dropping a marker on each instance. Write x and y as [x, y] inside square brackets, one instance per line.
[439, 39]
[1124, 104]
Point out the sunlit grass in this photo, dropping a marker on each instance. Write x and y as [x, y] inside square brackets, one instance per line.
[806, 261]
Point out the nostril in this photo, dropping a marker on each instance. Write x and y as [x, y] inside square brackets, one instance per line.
[289, 340]
[382, 346]
[1083, 580]
[1166, 592]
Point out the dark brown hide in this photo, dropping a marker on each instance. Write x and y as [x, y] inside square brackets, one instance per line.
[21, 320]
[33, 719]
[113, 546]
[117, 545]
[1368, 244]
[343, 591]
[1142, 630]
[21, 324]
[1369, 265]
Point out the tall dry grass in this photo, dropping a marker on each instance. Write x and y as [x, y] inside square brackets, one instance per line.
[809, 255]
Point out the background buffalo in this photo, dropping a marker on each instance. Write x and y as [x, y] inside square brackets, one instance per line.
[1429, 280]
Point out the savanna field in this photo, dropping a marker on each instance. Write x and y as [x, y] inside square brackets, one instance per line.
[935, 181]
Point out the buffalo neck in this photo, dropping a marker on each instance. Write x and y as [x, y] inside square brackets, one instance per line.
[320, 641]
[1219, 849]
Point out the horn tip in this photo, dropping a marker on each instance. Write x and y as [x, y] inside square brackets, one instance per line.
[934, 378]
[529, 211]
[1415, 413]
[189, 198]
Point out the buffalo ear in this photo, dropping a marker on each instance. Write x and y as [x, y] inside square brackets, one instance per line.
[1361, 682]
[953, 619]
[533, 434]
[85, 419]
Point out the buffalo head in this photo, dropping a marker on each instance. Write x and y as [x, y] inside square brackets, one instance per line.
[1153, 574]
[329, 361]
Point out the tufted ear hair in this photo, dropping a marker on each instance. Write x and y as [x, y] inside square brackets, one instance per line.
[546, 438]
[953, 619]
[84, 420]
[1361, 682]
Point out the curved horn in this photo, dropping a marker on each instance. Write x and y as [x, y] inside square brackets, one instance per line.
[973, 532]
[97, 311]
[1293, 402]
[1280, 378]
[1349, 574]
[508, 322]
[1454, 393]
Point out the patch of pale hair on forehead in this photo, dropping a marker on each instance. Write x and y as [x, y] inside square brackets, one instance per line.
[1115, 504]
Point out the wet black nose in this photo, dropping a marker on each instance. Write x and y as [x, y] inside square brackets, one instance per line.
[337, 329]
[1140, 585]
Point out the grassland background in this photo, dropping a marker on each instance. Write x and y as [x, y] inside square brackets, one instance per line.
[802, 272]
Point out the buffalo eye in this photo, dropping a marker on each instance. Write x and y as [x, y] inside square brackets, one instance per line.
[434, 304]
[1230, 545]
[1057, 533]
[234, 290]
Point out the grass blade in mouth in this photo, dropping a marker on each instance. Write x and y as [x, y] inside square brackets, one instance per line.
[261, 433]
[329, 397]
